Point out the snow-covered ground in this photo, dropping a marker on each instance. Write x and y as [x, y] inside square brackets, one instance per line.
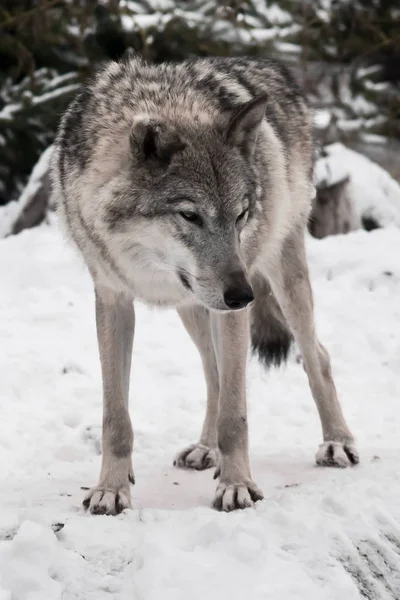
[319, 534]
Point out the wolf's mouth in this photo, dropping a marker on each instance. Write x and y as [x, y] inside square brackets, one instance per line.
[185, 281]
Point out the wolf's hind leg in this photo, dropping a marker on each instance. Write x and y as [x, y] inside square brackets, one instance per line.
[115, 320]
[291, 286]
[204, 454]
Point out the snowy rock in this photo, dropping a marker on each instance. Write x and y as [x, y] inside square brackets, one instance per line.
[30, 209]
[373, 193]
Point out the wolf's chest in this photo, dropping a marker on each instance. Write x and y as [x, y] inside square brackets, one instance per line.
[155, 284]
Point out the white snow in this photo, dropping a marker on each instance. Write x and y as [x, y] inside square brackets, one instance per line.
[67, 89]
[373, 192]
[277, 16]
[319, 534]
[250, 20]
[8, 215]
[134, 7]
[289, 31]
[288, 48]
[373, 138]
[162, 5]
[8, 111]
[59, 79]
[132, 22]
[376, 87]
[322, 118]
[368, 71]
[261, 34]
[361, 106]
[274, 13]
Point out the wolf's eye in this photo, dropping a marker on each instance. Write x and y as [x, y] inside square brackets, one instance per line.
[191, 217]
[242, 218]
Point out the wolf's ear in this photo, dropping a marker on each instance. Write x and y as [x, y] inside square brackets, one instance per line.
[154, 142]
[244, 123]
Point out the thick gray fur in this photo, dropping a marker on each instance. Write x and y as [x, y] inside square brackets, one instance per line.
[189, 185]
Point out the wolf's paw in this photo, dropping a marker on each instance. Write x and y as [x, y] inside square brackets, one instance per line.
[237, 495]
[196, 456]
[337, 454]
[101, 500]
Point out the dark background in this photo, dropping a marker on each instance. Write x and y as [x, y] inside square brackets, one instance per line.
[346, 54]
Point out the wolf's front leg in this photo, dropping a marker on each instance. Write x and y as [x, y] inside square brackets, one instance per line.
[231, 339]
[115, 320]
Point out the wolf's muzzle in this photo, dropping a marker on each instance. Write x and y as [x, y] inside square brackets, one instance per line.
[236, 297]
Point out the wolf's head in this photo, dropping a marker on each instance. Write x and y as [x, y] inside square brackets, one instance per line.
[192, 202]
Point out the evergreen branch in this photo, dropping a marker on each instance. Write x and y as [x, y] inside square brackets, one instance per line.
[40, 8]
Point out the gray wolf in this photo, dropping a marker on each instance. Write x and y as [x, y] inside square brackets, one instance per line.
[189, 185]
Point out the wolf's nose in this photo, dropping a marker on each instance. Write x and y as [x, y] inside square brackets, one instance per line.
[236, 298]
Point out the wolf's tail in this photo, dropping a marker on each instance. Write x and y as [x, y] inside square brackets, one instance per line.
[270, 336]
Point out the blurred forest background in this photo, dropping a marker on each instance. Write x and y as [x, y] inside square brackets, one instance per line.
[346, 54]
